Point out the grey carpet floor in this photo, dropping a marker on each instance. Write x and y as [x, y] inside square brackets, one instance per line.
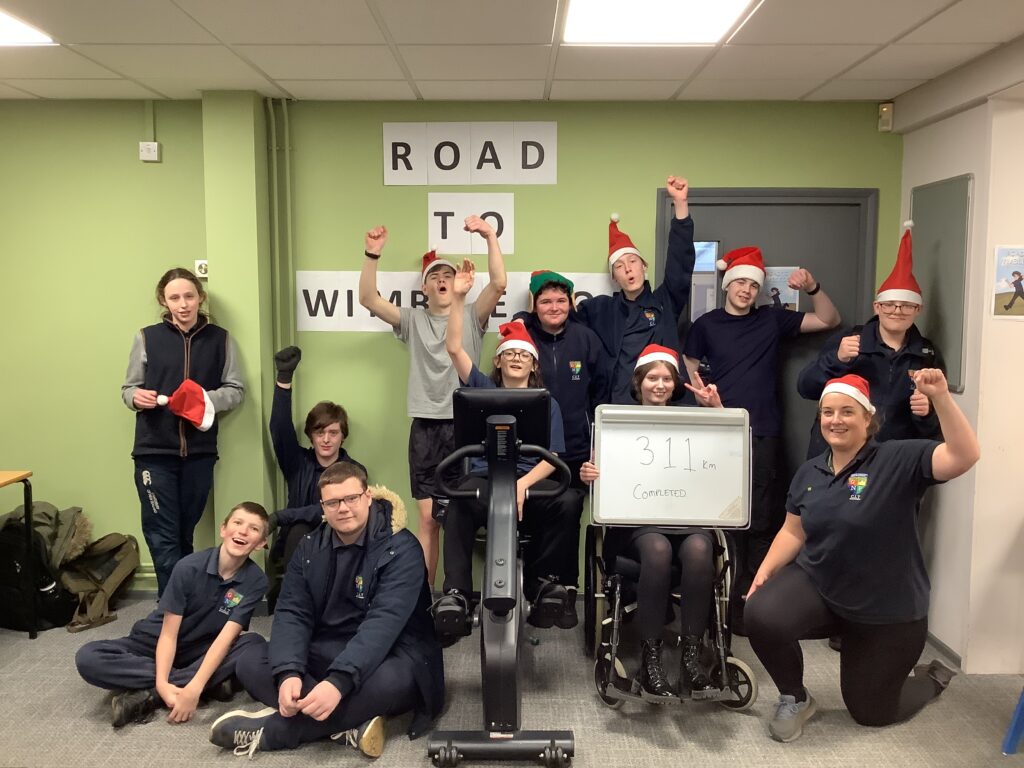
[50, 717]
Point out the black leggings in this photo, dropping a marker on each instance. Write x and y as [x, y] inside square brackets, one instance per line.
[873, 664]
[653, 551]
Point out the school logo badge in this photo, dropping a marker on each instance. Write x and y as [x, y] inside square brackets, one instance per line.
[857, 483]
[231, 600]
[360, 592]
[575, 367]
[652, 317]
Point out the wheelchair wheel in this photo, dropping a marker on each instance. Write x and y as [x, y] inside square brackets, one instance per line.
[739, 689]
[603, 678]
[591, 626]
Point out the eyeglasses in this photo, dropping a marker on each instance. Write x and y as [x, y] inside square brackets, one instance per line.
[889, 307]
[332, 505]
[517, 354]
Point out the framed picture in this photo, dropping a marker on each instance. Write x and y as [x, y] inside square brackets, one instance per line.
[1008, 285]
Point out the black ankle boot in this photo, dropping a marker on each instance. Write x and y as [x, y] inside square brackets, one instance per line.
[692, 678]
[653, 679]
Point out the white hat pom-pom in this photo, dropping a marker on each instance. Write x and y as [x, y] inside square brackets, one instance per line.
[162, 399]
[722, 265]
[433, 246]
[909, 224]
[615, 217]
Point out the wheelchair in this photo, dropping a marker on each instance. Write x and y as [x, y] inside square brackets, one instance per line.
[607, 586]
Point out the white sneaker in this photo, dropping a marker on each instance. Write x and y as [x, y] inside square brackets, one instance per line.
[790, 715]
[367, 738]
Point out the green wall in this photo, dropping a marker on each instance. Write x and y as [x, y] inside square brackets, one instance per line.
[87, 230]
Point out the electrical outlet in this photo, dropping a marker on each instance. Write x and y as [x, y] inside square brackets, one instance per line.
[202, 269]
[149, 151]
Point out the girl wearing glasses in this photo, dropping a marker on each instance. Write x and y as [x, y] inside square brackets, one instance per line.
[554, 522]
[885, 351]
[173, 458]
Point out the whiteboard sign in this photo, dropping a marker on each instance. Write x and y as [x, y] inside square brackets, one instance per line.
[672, 466]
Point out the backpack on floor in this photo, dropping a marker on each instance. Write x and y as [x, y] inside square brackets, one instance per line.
[98, 577]
[54, 604]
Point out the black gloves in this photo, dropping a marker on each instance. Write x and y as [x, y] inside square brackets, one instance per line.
[286, 361]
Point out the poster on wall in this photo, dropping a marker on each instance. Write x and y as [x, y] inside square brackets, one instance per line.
[1008, 290]
[776, 290]
[329, 301]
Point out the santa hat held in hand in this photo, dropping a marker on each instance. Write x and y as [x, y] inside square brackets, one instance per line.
[431, 261]
[192, 403]
[654, 353]
[900, 285]
[619, 244]
[515, 336]
[853, 386]
[742, 262]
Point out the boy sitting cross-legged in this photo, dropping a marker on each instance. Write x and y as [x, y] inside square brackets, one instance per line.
[188, 645]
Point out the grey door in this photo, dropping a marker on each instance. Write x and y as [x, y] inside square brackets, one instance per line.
[831, 232]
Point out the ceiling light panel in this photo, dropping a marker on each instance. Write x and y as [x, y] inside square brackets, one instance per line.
[650, 22]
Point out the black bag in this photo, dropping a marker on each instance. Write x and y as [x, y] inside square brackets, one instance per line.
[54, 604]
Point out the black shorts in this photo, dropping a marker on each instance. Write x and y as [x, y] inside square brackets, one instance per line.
[430, 442]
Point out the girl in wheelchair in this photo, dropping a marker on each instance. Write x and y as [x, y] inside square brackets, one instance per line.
[656, 382]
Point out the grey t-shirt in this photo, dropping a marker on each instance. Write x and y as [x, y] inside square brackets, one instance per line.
[432, 377]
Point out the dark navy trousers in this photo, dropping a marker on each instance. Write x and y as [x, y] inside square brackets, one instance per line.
[173, 493]
[130, 664]
[390, 690]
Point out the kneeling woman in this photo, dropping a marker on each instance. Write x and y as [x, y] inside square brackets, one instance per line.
[656, 382]
[848, 561]
[554, 522]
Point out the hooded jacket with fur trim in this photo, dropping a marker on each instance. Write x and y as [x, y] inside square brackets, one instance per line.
[397, 619]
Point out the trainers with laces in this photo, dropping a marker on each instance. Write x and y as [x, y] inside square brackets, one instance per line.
[547, 606]
[367, 738]
[240, 731]
[133, 707]
[790, 715]
[568, 618]
[225, 690]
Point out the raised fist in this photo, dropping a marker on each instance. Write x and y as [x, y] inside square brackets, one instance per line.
[678, 188]
[849, 348]
[285, 362]
[478, 225]
[375, 240]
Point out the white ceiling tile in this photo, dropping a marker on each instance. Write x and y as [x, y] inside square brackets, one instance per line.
[323, 62]
[592, 63]
[465, 21]
[85, 89]
[862, 90]
[915, 61]
[47, 61]
[301, 22]
[710, 89]
[7, 92]
[973, 21]
[190, 87]
[782, 62]
[814, 22]
[612, 90]
[476, 62]
[175, 61]
[481, 90]
[109, 21]
[349, 90]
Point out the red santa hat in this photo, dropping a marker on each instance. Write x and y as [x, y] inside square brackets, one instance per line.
[619, 244]
[654, 353]
[515, 336]
[900, 285]
[192, 403]
[853, 386]
[431, 261]
[742, 262]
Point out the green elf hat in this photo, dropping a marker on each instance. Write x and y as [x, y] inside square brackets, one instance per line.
[543, 276]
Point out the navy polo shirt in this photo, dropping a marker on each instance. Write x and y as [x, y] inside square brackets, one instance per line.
[525, 463]
[862, 549]
[204, 600]
[346, 603]
[743, 351]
